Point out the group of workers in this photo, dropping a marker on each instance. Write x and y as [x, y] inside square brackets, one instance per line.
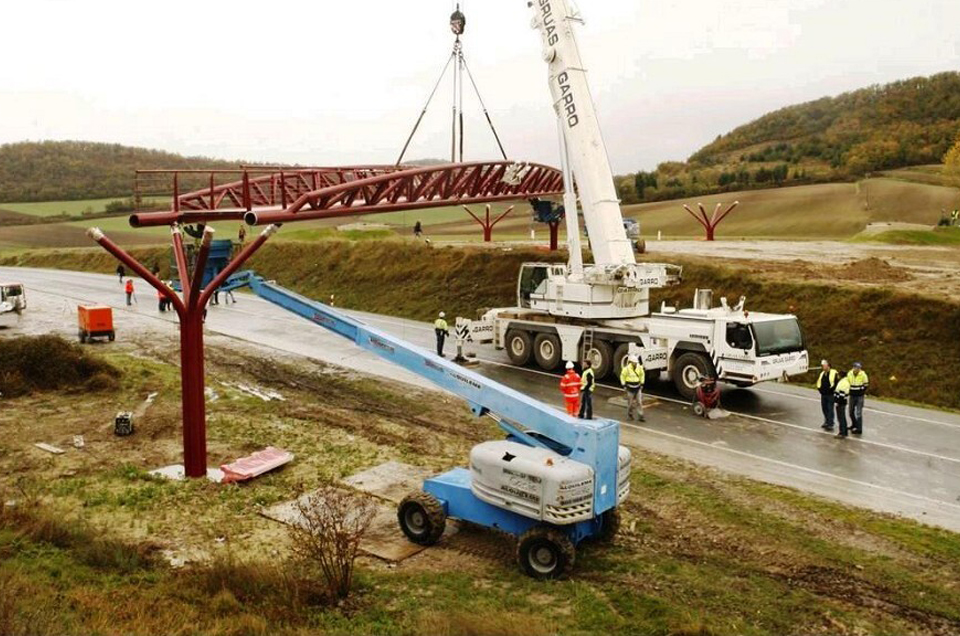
[837, 393]
[164, 304]
[578, 389]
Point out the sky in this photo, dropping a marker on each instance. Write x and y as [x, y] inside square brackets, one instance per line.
[317, 82]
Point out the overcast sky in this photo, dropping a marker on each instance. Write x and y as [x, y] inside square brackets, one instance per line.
[327, 83]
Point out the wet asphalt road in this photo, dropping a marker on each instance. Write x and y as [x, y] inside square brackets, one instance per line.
[907, 463]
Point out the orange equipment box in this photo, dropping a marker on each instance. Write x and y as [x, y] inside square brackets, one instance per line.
[95, 322]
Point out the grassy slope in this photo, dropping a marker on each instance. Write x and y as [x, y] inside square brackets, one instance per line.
[893, 334]
[836, 210]
[698, 553]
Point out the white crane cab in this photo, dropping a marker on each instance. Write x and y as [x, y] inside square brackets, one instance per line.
[13, 301]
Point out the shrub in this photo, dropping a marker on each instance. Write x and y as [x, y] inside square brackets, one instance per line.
[332, 524]
[49, 363]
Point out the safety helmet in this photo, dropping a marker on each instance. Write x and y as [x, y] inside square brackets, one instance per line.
[569, 365]
[443, 314]
[634, 359]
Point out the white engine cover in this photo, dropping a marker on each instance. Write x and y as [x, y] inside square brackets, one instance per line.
[538, 483]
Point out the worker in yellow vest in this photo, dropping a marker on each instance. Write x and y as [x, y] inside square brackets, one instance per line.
[588, 383]
[442, 330]
[827, 386]
[631, 378]
[859, 383]
[840, 397]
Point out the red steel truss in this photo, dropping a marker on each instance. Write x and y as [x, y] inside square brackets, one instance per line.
[357, 191]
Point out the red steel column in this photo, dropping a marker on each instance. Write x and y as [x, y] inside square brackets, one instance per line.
[192, 393]
[554, 235]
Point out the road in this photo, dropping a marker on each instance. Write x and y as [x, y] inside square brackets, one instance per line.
[907, 463]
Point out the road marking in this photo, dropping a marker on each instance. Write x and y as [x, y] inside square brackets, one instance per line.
[866, 410]
[778, 462]
[758, 418]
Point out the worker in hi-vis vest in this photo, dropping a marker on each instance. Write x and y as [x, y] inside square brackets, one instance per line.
[570, 387]
[859, 383]
[588, 382]
[442, 330]
[827, 386]
[840, 396]
[631, 378]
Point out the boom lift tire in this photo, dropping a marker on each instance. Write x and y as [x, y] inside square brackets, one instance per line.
[687, 371]
[422, 518]
[547, 351]
[83, 336]
[601, 357]
[609, 525]
[519, 345]
[545, 553]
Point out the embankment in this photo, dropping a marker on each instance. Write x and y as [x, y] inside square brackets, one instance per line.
[908, 344]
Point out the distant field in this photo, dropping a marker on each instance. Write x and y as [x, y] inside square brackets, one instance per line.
[823, 211]
[834, 210]
[54, 208]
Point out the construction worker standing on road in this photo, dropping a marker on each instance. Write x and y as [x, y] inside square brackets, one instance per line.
[570, 387]
[128, 288]
[442, 331]
[827, 385]
[840, 396]
[631, 378]
[588, 382]
[859, 383]
[955, 218]
[121, 272]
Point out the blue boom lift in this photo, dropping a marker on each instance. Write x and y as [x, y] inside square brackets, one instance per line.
[552, 483]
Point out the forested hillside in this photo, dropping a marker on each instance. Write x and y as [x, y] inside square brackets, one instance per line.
[67, 170]
[905, 123]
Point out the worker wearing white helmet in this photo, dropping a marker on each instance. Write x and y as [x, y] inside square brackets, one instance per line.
[570, 387]
[631, 378]
[442, 330]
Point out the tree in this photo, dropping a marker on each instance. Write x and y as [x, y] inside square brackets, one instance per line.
[951, 160]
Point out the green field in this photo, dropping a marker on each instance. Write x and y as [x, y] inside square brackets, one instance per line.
[824, 211]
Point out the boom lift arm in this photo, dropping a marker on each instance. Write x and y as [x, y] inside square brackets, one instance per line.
[555, 481]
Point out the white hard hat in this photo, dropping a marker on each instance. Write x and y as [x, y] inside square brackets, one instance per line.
[569, 365]
[443, 314]
[634, 359]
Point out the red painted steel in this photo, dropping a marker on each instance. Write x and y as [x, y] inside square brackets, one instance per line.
[710, 223]
[190, 311]
[368, 190]
[486, 223]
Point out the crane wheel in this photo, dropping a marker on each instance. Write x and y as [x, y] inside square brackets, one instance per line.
[422, 518]
[601, 358]
[519, 345]
[547, 351]
[545, 553]
[687, 371]
[609, 525]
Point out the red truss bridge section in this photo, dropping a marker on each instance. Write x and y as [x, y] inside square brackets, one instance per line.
[319, 193]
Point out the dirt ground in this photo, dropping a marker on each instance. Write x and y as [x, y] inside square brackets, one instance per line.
[926, 270]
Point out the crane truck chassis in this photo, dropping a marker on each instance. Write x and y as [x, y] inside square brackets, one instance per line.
[554, 482]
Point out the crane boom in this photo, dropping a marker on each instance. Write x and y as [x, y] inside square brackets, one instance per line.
[586, 153]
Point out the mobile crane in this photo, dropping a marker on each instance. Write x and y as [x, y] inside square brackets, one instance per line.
[552, 483]
[601, 312]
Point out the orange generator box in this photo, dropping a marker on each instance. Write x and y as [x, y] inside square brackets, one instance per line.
[95, 322]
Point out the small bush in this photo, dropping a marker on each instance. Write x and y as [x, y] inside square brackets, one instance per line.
[50, 363]
[333, 522]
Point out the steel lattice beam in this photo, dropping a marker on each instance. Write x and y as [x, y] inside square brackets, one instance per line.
[356, 191]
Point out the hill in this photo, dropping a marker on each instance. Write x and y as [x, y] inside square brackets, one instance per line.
[906, 123]
[70, 170]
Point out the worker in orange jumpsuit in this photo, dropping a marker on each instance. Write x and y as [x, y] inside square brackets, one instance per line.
[570, 387]
[128, 288]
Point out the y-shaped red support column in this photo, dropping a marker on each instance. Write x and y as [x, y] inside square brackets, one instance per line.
[190, 312]
[710, 223]
[486, 224]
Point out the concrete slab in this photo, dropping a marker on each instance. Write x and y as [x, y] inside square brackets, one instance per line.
[176, 472]
[391, 481]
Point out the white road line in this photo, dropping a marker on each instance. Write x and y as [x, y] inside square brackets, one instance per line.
[758, 418]
[778, 462]
[866, 410]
